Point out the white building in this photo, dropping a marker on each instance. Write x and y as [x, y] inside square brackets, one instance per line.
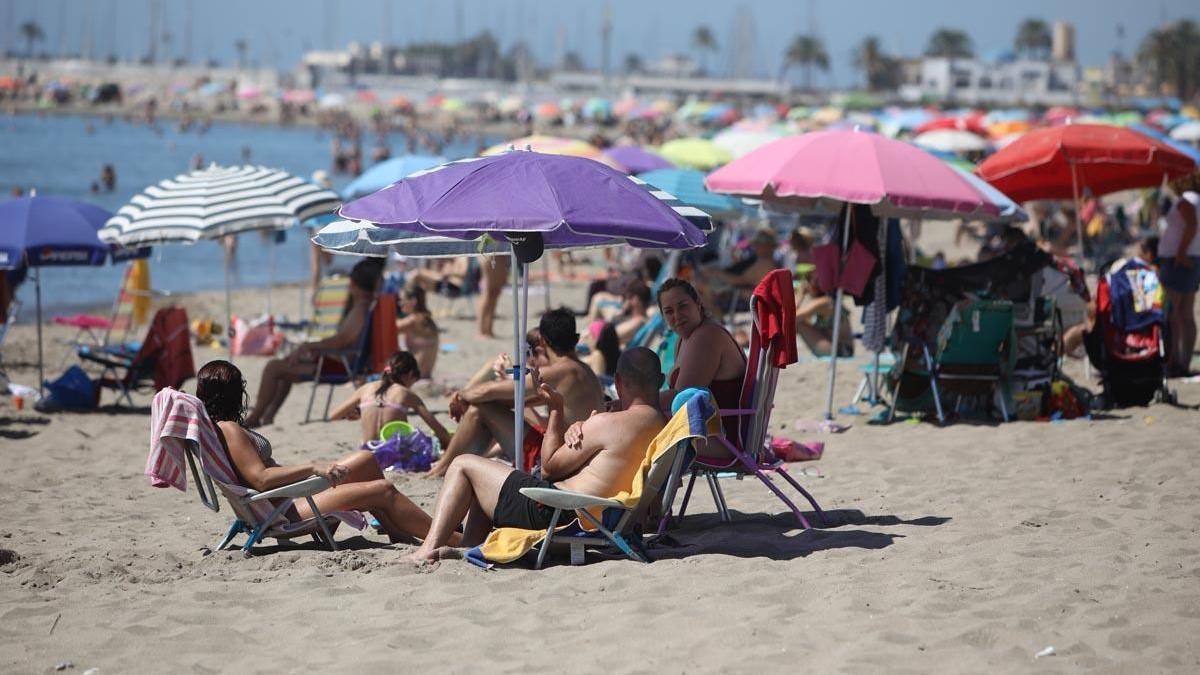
[975, 82]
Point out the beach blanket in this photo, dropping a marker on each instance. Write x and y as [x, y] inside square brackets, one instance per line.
[699, 418]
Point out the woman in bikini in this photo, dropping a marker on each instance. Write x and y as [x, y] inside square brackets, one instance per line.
[417, 329]
[707, 356]
[389, 400]
[356, 483]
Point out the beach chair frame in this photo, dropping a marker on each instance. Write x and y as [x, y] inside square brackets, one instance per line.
[14, 308]
[625, 536]
[356, 362]
[758, 390]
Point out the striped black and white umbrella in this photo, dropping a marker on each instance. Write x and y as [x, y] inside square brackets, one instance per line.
[211, 203]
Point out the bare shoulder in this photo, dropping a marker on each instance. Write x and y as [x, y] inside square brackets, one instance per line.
[232, 431]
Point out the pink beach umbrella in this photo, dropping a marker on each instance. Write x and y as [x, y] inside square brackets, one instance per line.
[852, 167]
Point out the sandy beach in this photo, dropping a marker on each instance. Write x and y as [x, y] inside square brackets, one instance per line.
[969, 548]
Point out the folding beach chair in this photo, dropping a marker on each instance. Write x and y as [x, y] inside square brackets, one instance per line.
[750, 455]
[338, 366]
[328, 305]
[182, 432]
[118, 325]
[976, 352]
[164, 358]
[613, 522]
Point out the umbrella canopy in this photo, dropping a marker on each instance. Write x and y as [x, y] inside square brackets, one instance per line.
[688, 187]
[951, 140]
[51, 231]
[387, 172]
[1189, 132]
[1010, 211]
[895, 178]
[569, 201]
[695, 153]
[972, 123]
[213, 202]
[554, 145]
[547, 111]
[1190, 151]
[331, 101]
[740, 142]
[637, 159]
[1059, 162]
[299, 96]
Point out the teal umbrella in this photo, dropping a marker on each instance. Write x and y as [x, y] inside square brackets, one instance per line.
[687, 186]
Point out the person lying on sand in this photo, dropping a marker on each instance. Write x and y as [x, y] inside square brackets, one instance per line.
[597, 456]
[485, 411]
[390, 399]
[356, 482]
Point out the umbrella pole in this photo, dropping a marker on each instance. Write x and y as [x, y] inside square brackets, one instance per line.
[1078, 216]
[228, 310]
[837, 322]
[546, 279]
[37, 294]
[519, 370]
[270, 275]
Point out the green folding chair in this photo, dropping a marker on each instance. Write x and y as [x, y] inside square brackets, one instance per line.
[975, 354]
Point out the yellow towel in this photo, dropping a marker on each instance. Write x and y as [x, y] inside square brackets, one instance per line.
[139, 283]
[506, 544]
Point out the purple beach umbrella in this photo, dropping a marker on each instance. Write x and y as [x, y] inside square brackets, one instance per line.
[532, 201]
[638, 159]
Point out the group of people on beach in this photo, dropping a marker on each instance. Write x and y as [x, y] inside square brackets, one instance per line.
[574, 437]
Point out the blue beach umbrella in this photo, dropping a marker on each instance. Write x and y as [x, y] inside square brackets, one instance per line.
[54, 232]
[687, 186]
[387, 172]
[1159, 136]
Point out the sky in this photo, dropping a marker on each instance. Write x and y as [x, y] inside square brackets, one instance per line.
[278, 32]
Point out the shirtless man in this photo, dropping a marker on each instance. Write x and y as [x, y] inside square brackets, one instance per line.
[598, 456]
[485, 411]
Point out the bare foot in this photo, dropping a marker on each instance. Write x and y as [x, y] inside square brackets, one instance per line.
[424, 556]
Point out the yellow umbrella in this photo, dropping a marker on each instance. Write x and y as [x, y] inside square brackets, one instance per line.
[695, 153]
[555, 145]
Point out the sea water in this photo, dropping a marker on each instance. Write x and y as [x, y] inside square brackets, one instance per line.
[63, 156]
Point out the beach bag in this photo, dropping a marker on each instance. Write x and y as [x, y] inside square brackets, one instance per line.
[859, 264]
[73, 390]
[257, 338]
[412, 451]
[828, 261]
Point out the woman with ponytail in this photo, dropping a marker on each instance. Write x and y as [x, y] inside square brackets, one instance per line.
[390, 399]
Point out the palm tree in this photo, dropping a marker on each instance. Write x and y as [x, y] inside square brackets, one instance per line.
[1033, 39]
[704, 42]
[950, 43]
[32, 32]
[807, 51]
[1171, 55]
[241, 46]
[878, 68]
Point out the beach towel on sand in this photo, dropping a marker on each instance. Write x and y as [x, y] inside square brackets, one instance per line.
[698, 419]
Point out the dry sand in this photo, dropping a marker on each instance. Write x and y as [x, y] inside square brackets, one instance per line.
[960, 549]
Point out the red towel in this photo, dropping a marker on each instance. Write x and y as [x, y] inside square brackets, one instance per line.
[775, 302]
[169, 342]
[384, 338]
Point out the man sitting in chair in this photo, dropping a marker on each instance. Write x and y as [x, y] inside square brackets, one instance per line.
[485, 411]
[598, 456]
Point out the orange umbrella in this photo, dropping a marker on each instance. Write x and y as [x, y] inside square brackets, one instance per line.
[554, 145]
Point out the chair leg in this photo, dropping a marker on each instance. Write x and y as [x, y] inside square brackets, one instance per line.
[718, 497]
[328, 402]
[1003, 407]
[862, 388]
[937, 398]
[614, 537]
[322, 524]
[896, 389]
[799, 488]
[234, 530]
[687, 494]
[549, 537]
[312, 396]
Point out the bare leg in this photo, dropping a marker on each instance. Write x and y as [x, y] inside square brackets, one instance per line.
[470, 438]
[276, 383]
[495, 274]
[816, 339]
[402, 517]
[314, 263]
[1187, 342]
[472, 486]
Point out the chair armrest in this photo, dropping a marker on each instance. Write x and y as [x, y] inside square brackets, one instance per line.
[738, 412]
[565, 499]
[305, 488]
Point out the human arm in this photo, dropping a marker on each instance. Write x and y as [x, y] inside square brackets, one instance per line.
[348, 409]
[261, 477]
[409, 324]
[1188, 211]
[414, 403]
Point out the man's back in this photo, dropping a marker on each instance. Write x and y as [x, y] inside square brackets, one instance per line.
[622, 438]
[579, 386]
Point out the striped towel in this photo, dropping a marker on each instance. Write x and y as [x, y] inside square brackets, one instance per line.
[177, 419]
